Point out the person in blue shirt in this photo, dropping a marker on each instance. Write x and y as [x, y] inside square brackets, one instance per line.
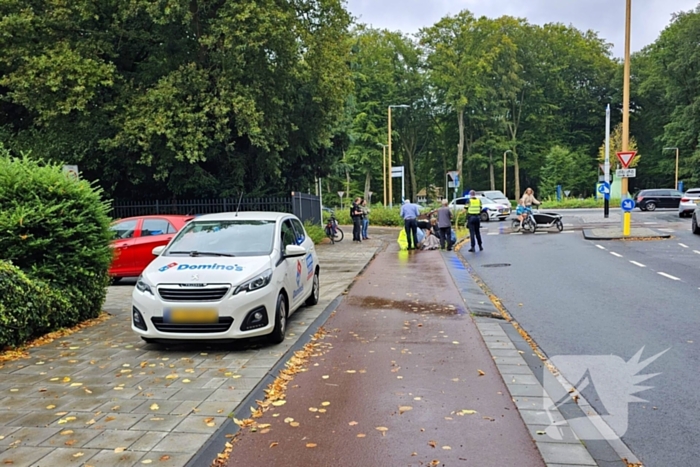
[409, 213]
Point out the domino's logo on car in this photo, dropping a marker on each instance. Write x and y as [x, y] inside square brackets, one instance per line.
[210, 267]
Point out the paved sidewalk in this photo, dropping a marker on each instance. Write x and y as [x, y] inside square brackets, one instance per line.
[404, 379]
[102, 397]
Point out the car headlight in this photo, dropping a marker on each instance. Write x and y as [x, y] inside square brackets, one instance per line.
[143, 286]
[257, 282]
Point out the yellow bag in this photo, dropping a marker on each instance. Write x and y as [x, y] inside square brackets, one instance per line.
[402, 240]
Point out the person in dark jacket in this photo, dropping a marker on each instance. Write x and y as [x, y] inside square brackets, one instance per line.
[356, 214]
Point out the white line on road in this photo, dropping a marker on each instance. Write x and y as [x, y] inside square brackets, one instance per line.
[568, 225]
[568, 231]
[666, 230]
[650, 223]
[696, 251]
[601, 247]
[637, 264]
[683, 245]
[616, 254]
[516, 233]
[541, 233]
[492, 233]
[673, 278]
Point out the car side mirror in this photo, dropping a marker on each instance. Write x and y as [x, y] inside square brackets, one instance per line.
[292, 251]
[157, 251]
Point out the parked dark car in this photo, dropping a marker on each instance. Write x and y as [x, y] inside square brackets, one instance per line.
[650, 200]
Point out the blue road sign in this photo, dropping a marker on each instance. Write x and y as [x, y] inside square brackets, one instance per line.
[627, 205]
[604, 188]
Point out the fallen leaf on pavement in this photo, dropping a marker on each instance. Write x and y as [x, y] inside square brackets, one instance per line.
[313, 409]
[264, 425]
[481, 373]
[279, 403]
[288, 420]
[353, 423]
[66, 432]
[310, 445]
[434, 463]
[154, 406]
[164, 457]
[350, 371]
[147, 461]
[79, 454]
[70, 442]
[455, 342]
[383, 429]
[325, 404]
[66, 379]
[466, 412]
[50, 407]
[186, 381]
[321, 410]
[171, 376]
[118, 450]
[446, 448]
[272, 445]
[404, 408]
[325, 376]
[361, 435]
[294, 424]
[432, 444]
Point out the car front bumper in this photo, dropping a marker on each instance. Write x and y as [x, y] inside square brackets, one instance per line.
[232, 312]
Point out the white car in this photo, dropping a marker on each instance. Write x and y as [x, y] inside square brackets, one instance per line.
[491, 210]
[496, 196]
[227, 276]
[689, 201]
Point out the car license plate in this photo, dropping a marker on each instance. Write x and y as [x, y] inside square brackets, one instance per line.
[191, 315]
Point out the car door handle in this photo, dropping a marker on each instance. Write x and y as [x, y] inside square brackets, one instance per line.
[124, 246]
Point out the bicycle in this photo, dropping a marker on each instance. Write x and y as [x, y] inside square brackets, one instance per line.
[333, 231]
[527, 223]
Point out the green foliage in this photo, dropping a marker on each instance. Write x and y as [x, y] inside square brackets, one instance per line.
[315, 231]
[572, 170]
[576, 203]
[56, 230]
[24, 310]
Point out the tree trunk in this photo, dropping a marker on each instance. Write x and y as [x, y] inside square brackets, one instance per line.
[460, 146]
[412, 175]
[492, 175]
[368, 179]
[516, 167]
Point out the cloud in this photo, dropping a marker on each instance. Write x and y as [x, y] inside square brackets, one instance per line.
[649, 17]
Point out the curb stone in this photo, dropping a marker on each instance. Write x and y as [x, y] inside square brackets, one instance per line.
[515, 362]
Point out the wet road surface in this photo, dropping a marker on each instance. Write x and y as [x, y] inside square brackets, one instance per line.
[395, 382]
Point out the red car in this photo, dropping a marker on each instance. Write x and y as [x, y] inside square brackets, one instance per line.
[135, 238]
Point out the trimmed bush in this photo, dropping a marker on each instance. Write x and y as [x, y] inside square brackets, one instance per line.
[379, 216]
[56, 231]
[315, 232]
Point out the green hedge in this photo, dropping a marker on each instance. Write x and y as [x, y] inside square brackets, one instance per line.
[56, 231]
[378, 216]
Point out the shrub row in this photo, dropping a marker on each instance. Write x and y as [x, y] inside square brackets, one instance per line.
[54, 230]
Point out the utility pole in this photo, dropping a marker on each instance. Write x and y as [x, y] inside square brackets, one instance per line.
[626, 93]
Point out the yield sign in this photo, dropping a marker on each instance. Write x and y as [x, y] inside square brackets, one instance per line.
[626, 157]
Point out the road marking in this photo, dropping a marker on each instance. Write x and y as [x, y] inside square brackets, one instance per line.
[683, 245]
[650, 223]
[616, 254]
[601, 247]
[516, 233]
[666, 230]
[696, 251]
[568, 225]
[673, 278]
[637, 264]
[541, 233]
[492, 233]
[567, 231]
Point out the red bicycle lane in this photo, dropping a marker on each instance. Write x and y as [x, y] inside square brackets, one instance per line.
[404, 379]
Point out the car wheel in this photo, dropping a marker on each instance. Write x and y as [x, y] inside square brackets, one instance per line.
[116, 280]
[694, 226]
[651, 206]
[560, 226]
[682, 215]
[280, 329]
[315, 293]
[484, 217]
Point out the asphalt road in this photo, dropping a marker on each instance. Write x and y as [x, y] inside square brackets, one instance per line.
[577, 297]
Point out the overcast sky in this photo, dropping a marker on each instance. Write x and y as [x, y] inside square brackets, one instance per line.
[649, 17]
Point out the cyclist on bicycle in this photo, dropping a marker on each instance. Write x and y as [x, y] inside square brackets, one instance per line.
[525, 204]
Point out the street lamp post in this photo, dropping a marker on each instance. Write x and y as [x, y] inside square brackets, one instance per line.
[391, 193]
[504, 172]
[677, 153]
[384, 146]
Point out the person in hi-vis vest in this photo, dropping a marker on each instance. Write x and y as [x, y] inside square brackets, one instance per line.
[474, 221]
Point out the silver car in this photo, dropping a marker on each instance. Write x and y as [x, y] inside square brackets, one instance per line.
[689, 201]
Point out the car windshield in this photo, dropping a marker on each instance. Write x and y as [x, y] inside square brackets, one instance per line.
[224, 238]
[493, 194]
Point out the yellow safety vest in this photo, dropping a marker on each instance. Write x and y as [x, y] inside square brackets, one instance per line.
[474, 208]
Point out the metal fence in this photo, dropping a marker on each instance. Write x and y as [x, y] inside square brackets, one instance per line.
[303, 205]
